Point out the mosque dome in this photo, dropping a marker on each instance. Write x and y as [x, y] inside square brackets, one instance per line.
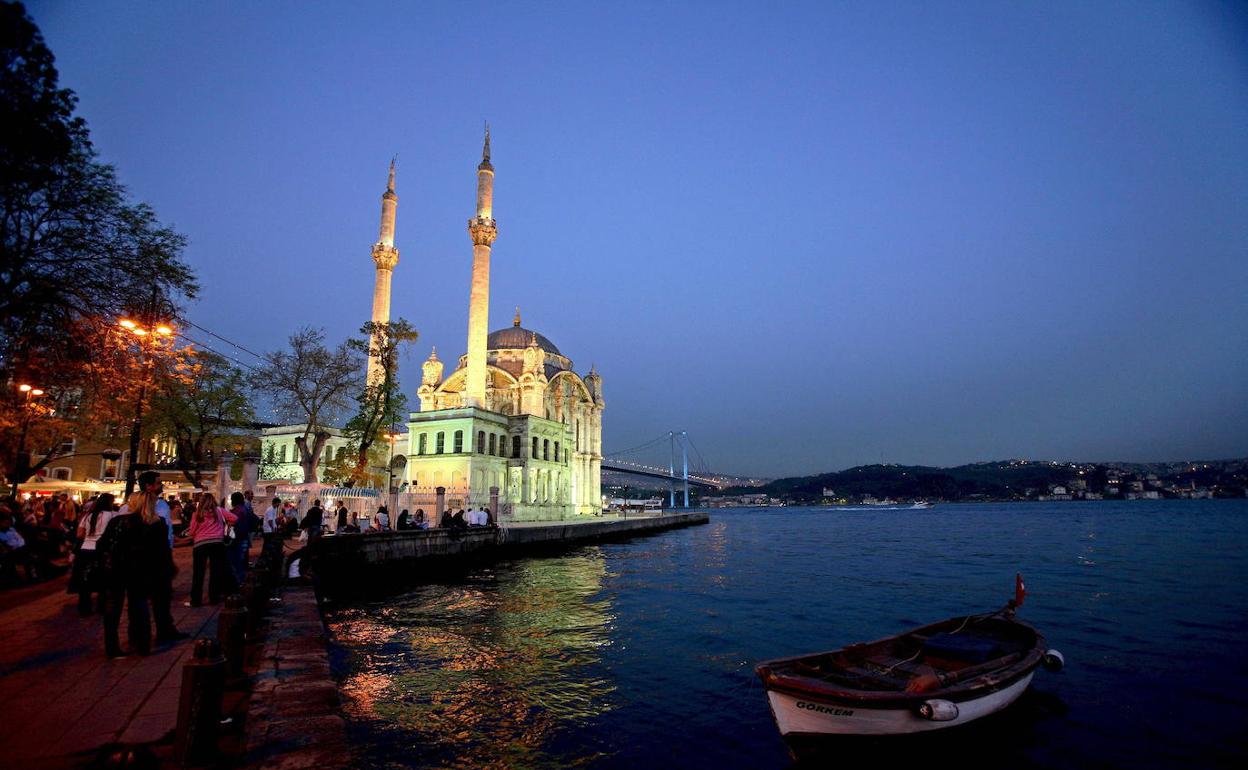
[516, 337]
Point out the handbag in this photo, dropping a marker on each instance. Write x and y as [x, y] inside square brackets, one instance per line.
[229, 529]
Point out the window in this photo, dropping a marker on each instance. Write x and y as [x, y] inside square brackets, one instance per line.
[493, 438]
[424, 444]
[558, 457]
[515, 447]
[66, 448]
[480, 447]
[342, 452]
[329, 454]
[545, 449]
[440, 444]
[502, 445]
[459, 441]
[109, 469]
[535, 447]
[281, 454]
[61, 474]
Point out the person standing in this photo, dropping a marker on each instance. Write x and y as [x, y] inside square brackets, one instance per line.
[342, 517]
[383, 518]
[131, 566]
[312, 521]
[162, 585]
[207, 534]
[87, 570]
[239, 549]
[270, 523]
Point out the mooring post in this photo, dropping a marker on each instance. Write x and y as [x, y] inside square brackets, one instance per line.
[439, 505]
[199, 705]
[232, 633]
[493, 506]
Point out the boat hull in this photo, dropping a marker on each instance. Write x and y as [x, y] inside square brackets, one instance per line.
[810, 715]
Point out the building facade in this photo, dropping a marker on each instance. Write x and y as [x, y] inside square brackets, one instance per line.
[513, 418]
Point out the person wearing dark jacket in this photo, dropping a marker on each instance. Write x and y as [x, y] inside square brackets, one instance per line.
[239, 549]
[312, 521]
[134, 555]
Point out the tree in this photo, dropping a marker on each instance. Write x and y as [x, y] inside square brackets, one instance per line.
[381, 405]
[310, 384]
[75, 255]
[202, 407]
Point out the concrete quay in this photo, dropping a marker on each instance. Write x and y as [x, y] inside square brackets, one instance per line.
[360, 564]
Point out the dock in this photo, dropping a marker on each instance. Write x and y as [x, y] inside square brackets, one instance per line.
[346, 566]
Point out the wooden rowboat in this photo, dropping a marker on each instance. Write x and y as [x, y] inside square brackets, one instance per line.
[933, 677]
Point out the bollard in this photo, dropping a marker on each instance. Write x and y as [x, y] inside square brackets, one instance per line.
[199, 705]
[232, 634]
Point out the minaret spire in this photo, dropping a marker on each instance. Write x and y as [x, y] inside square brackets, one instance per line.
[516, 321]
[385, 257]
[483, 232]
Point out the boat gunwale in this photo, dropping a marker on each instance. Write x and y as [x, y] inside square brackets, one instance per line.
[960, 691]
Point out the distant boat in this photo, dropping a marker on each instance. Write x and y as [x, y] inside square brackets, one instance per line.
[934, 677]
[921, 504]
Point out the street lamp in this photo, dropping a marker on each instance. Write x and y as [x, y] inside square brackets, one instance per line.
[146, 336]
[31, 393]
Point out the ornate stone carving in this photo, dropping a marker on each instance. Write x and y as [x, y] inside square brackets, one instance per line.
[386, 257]
[483, 231]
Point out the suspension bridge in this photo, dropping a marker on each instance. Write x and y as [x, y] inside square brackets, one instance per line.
[640, 461]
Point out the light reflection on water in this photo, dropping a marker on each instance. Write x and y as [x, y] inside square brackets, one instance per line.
[484, 672]
[640, 653]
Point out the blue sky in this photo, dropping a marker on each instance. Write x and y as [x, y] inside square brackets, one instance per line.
[812, 235]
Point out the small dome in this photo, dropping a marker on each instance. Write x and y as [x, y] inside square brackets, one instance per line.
[517, 337]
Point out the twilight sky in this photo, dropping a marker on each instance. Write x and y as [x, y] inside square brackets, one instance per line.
[812, 235]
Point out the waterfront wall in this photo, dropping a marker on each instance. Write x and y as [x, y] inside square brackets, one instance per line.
[373, 563]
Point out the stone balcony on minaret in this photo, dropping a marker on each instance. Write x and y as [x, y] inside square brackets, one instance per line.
[483, 231]
[385, 257]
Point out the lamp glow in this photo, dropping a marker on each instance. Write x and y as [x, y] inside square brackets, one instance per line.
[24, 388]
[127, 323]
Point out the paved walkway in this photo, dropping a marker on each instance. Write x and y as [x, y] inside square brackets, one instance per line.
[64, 699]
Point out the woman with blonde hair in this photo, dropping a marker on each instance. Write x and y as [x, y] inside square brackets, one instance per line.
[207, 533]
[134, 556]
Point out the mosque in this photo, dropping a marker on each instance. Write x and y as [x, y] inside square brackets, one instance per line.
[512, 422]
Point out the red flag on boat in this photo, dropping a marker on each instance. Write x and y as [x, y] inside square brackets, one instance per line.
[1020, 590]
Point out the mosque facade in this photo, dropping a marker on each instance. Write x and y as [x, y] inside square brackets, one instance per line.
[512, 425]
[513, 421]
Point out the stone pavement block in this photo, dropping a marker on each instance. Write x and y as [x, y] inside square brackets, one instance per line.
[150, 728]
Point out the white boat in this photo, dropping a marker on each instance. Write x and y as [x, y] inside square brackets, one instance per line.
[931, 678]
[921, 504]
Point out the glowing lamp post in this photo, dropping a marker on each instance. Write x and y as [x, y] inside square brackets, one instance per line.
[147, 337]
[23, 459]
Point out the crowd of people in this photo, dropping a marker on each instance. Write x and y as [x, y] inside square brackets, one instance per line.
[122, 551]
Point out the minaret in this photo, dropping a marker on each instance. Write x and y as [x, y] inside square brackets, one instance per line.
[483, 232]
[385, 257]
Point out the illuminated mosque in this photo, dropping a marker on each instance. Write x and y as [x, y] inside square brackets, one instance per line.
[512, 419]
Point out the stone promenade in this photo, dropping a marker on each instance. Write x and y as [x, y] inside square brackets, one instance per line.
[63, 699]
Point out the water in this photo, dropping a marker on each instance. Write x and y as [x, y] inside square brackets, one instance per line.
[640, 654]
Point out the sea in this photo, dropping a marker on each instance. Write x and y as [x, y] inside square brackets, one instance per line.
[641, 653]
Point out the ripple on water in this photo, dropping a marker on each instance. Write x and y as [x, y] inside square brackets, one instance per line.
[641, 654]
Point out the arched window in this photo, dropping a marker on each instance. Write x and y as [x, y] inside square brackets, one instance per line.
[342, 452]
[535, 447]
[423, 444]
[558, 457]
[329, 454]
[545, 449]
[493, 438]
[459, 441]
[440, 443]
[515, 447]
[480, 448]
[281, 453]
